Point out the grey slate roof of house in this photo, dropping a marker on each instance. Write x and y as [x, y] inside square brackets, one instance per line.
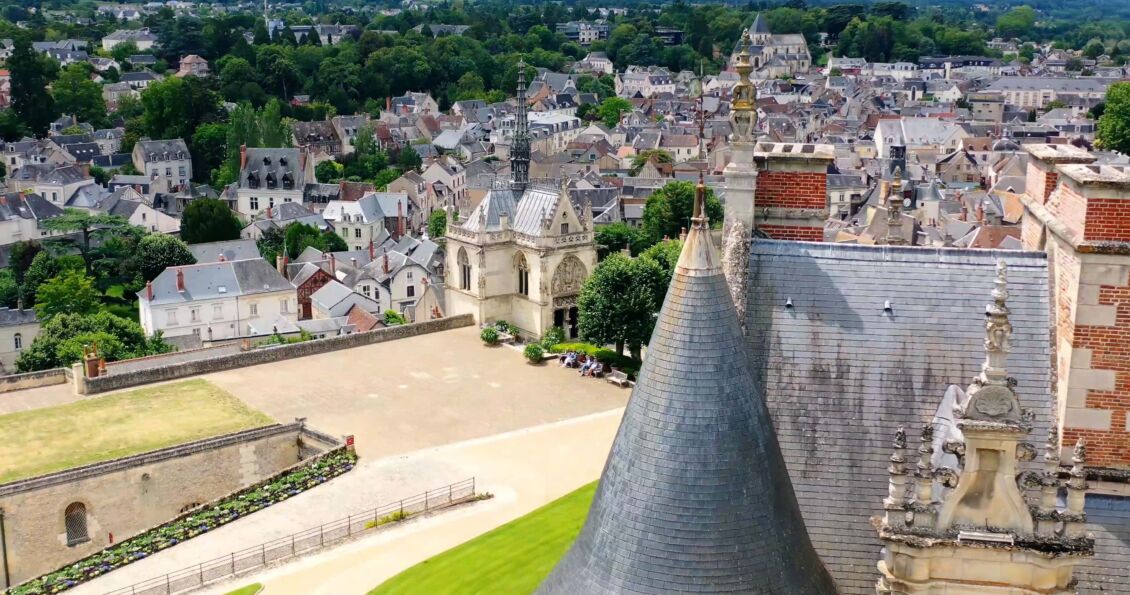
[217, 280]
[163, 150]
[14, 317]
[840, 375]
[276, 164]
[28, 206]
[694, 497]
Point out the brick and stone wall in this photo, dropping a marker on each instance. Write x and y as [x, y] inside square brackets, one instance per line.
[792, 232]
[14, 382]
[1080, 214]
[126, 496]
[265, 355]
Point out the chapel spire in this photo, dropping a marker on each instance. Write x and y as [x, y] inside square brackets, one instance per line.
[520, 148]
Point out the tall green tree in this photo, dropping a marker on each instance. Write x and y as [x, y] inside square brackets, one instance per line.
[668, 210]
[87, 225]
[158, 252]
[209, 220]
[409, 160]
[176, 107]
[209, 150]
[43, 267]
[615, 237]
[618, 303]
[437, 224]
[61, 339]
[30, 77]
[611, 110]
[70, 292]
[77, 95]
[1114, 125]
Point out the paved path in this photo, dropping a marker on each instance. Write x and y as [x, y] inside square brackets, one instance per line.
[511, 466]
[37, 398]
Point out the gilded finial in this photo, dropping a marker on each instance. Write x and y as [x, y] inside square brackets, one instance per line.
[698, 216]
[743, 98]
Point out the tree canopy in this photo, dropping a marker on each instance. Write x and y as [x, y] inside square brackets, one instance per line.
[667, 211]
[209, 220]
[1114, 125]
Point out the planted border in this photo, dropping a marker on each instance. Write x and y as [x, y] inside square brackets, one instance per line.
[292, 482]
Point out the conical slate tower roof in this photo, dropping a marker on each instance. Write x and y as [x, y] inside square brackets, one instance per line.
[695, 497]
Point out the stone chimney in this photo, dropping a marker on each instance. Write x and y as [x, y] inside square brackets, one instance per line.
[980, 212]
[280, 264]
[180, 280]
[242, 157]
[385, 266]
[333, 265]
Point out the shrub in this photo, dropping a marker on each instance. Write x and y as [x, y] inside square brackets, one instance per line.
[504, 327]
[552, 337]
[534, 352]
[394, 318]
[489, 336]
[585, 348]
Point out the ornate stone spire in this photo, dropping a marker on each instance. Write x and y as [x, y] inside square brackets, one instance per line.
[743, 97]
[520, 147]
[695, 496]
[698, 212]
[983, 524]
[895, 502]
[894, 210]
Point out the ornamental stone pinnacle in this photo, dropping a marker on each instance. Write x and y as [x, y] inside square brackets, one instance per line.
[743, 97]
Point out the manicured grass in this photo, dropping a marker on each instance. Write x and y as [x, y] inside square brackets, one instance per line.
[510, 560]
[121, 424]
[248, 590]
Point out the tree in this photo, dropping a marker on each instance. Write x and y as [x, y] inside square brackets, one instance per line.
[328, 171]
[299, 236]
[611, 110]
[11, 126]
[176, 107]
[209, 149]
[43, 267]
[101, 176]
[70, 292]
[209, 220]
[666, 255]
[87, 224]
[409, 160]
[437, 224]
[61, 339]
[643, 157]
[618, 236]
[9, 289]
[1018, 22]
[158, 252]
[30, 78]
[668, 210]
[20, 258]
[1114, 125]
[79, 96]
[618, 303]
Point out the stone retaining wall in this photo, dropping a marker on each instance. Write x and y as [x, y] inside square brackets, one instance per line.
[14, 382]
[90, 386]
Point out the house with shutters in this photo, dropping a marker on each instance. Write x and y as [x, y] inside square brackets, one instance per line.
[167, 163]
[269, 177]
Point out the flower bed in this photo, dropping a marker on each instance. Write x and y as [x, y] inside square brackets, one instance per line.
[257, 497]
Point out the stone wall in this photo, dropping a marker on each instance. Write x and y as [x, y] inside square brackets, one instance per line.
[16, 382]
[90, 386]
[126, 496]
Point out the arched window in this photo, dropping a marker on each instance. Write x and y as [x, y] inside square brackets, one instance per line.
[523, 275]
[464, 270]
[18, 340]
[75, 519]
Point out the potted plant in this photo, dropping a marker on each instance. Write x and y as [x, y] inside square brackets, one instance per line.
[489, 336]
[534, 353]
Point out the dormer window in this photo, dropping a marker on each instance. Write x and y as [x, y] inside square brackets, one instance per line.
[266, 161]
[287, 181]
[252, 180]
[282, 161]
[271, 180]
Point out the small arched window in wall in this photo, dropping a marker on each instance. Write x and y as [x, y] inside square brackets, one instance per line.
[464, 270]
[523, 275]
[75, 519]
[18, 340]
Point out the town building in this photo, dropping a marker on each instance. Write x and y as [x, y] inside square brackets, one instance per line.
[269, 177]
[18, 328]
[774, 55]
[167, 163]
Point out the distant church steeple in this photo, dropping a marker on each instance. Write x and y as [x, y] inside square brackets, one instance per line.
[520, 148]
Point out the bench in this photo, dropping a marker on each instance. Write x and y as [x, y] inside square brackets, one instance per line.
[618, 378]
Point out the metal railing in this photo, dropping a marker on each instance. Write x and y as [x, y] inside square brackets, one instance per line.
[199, 575]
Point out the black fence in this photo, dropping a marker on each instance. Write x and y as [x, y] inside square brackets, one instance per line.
[245, 560]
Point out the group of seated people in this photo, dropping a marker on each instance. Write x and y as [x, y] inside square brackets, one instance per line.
[588, 364]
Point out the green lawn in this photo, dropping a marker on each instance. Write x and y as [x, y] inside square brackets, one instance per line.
[117, 425]
[511, 560]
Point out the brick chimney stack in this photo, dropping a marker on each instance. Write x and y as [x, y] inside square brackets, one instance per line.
[792, 190]
[242, 157]
[980, 212]
[148, 291]
[372, 251]
[1079, 213]
[180, 280]
[399, 219]
[385, 266]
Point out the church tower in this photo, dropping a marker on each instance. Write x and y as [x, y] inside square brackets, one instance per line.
[695, 497]
[991, 524]
[520, 148]
[741, 180]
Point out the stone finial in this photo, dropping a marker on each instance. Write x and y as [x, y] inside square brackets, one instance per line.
[991, 397]
[698, 213]
[894, 210]
[900, 437]
[1075, 519]
[1047, 517]
[895, 502]
[1051, 450]
[743, 97]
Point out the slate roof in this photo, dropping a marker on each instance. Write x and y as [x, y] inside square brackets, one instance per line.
[230, 249]
[840, 375]
[15, 317]
[694, 497]
[283, 166]
[216, 280]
